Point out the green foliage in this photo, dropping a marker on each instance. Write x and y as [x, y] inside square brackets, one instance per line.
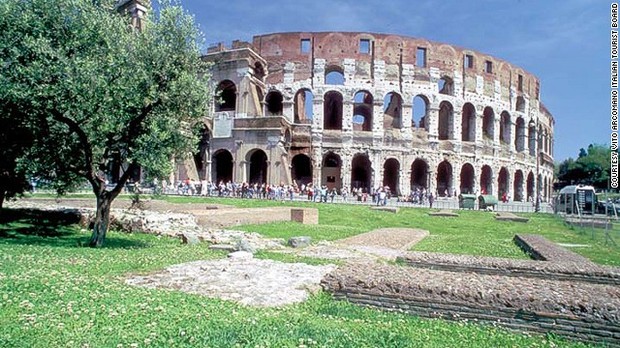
[98, 93]
[57, 294]
[592, 167]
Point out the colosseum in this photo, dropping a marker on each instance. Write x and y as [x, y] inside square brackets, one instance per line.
[364, 110]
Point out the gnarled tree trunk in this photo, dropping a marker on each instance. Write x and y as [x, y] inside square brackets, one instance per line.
[102, 220]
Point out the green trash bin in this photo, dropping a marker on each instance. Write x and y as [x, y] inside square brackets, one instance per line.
[467, 201]
[485, 201]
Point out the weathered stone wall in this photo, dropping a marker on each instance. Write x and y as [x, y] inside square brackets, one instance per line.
[576, 310]
[389, 66]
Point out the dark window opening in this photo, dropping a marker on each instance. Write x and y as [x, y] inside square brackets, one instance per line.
[420, 107]
[446, 114]
[273, 102]
[222, 167]
[258, 167]
[520, 135]
[504, 128]
[467, 179]
[520, 83]
[301, 170]
[488, 123]
[391, 173]
[419, 174]
[332, 110]
[518, 186]
[469, 61]
[468, 123]
[444, 179]
[486, 181]
[520, 104]
[226, 96]
[488, 67]
[502, 182]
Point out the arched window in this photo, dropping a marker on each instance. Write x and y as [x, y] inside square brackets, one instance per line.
[226, 96]
[468, 123]
[303, 106]
[488, 123]
[420, 108]
[446, 121]
[520, 104]
[362, 111]
[332, 110]
[504, 128]
[520, 135]
[334, 76]
[273, 103]
[446, 86]
[392, 108]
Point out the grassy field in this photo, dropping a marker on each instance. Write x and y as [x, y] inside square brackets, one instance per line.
[56, 293]
[473, 232]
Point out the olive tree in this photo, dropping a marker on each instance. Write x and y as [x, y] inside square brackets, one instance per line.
[97, 92]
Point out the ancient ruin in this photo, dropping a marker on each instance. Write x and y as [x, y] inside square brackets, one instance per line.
[367, 110]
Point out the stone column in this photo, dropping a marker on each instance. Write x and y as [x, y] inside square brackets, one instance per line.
[432, 119]
[317, 113]
[377, 118]
[513, 130]
[456, 127]
[407, 118]
[347, 116]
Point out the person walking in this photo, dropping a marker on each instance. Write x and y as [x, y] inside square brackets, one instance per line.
[431, 199]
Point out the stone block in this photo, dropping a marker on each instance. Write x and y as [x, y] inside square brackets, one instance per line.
[241, 255]
[223, 247]
[189, 238]
[385, 208]
[299, 242]
[307, 216]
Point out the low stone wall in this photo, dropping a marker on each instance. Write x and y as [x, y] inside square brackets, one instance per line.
[567, 271]
[587, 312]
[540, 248]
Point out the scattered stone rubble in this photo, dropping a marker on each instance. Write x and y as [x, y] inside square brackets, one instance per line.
[240, 278]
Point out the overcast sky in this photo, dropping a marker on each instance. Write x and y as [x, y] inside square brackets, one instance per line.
[564, 43]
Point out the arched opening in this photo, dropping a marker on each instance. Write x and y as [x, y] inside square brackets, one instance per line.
[486, 181]
[259, 71]
[502, 182]
[392, 109]
[467, 179]
[301, 169]
[391, 175]
[332, 110]
[334, 75]
[420, 109]
[303, 106]
[488, 123]
[361, 172]
[530, 187]
[444, 179]
[520, 104]
[468, 123]
[273, 103]
[446, 86]
[362, 111]
[419, 174]
[331, 170]
[258, 167]
[518, 186]
[222, 166]
[504, 127]
[446, 120]
[226, 96]
[520, 135]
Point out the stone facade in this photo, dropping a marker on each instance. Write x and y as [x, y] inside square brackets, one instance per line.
[367, 110]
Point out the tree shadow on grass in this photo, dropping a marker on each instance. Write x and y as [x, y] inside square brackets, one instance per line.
[52, 228]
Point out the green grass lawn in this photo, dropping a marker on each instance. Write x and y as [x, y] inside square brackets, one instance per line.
[56, 293]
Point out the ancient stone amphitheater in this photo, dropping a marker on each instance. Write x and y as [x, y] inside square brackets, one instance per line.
[367, 110]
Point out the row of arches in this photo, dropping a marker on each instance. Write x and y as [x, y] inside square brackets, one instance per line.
[363, 115]
[519, 184]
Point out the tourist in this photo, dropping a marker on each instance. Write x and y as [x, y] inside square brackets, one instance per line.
[431, 199]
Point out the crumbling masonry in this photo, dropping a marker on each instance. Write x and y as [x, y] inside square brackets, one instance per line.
[368, 110]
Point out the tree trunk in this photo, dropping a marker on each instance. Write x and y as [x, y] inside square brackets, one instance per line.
[102, 220]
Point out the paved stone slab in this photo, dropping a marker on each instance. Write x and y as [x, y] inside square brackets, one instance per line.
[446, 213]
[506, 216]
[385, 208]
